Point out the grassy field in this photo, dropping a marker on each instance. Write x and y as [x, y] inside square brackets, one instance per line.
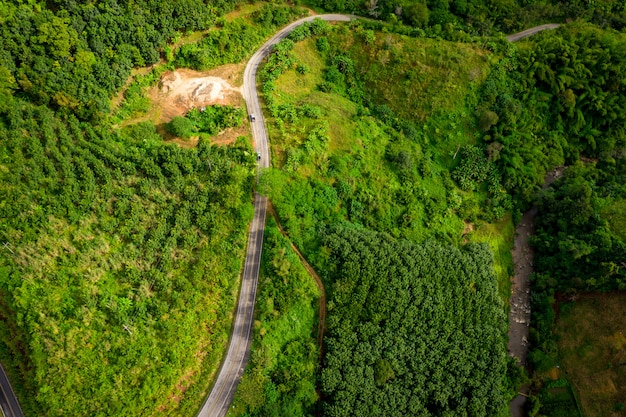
[419, 77]
[499, 236]
[592, 347]
[297, 90]
[416, 197]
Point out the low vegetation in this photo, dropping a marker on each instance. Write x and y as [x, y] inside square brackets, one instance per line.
[282, 373]
[480, 154]
[553, 112]
[592, 351]
[74, 55]
[372, 167]
[206, 121]
[237, 38]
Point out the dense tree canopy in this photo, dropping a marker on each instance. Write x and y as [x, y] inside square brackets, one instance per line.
[552, 100]
[482, 16]
[74, 55]
[578, 250]
[412, 329]
[578, 72]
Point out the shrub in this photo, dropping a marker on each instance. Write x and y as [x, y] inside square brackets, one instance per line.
[180, 126]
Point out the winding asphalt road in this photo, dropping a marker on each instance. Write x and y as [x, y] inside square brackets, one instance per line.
[528, 32]
[238, 353]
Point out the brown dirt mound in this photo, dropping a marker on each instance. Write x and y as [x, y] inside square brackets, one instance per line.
[182, 90]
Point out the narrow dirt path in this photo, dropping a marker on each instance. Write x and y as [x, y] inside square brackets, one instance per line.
[321, 325]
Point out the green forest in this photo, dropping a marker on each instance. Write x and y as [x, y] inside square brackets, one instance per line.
[121, 259]
[413, 329]
[405, 147]
[402, 132]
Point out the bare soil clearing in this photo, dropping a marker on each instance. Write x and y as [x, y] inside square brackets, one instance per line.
[184, 89]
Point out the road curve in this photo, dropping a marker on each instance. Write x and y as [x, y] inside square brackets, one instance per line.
[529, 32]
[234, 364]
[8, 402]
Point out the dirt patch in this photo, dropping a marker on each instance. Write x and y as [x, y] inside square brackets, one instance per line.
[180, 91]
[468, 227]
[190, 143]
[231, 134]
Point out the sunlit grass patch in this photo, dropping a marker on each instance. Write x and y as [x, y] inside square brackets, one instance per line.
[432, 75]
[388, 162]
[301, 80]
[592, 347]
[499, 237]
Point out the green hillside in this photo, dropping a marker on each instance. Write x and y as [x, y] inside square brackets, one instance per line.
[405, 146]
[437, 140]
[122, 255]
[121, 276]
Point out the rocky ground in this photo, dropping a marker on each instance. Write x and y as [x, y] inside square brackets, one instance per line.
[519, 313]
